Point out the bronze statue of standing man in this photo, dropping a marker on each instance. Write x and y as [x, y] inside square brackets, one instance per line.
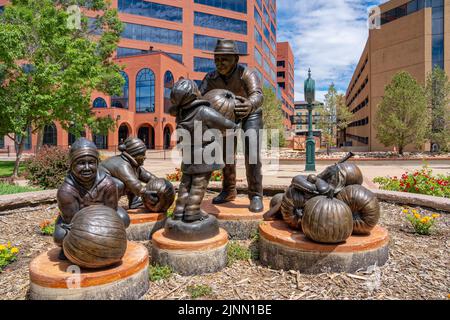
[246, 85]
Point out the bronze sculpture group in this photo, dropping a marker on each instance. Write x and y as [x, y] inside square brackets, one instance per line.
[328, 207]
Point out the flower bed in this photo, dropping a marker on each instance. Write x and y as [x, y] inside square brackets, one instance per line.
[420, 181]
[176, 176]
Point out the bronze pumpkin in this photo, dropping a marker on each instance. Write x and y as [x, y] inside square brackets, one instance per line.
[223, 101]
[166, 195]
[364, 205]
[327, 220]
[96, 239]
[292, 207]
[353, 174]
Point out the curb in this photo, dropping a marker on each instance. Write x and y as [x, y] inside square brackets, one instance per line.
[31, 199]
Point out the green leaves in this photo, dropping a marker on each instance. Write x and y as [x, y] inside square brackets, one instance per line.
[402, 117]
[272, 115]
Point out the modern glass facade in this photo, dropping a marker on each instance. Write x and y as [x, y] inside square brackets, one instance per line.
[151, 10]
[233, 5]
[99, 103]
[258, 56]
[168, 85]
[152, 34]
[203, 64]
[212, 21]
[258, 37]
[127, 52]
[209, 43]
[122, 101]
[145, 91]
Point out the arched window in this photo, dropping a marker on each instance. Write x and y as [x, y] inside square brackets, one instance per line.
[145, 91]
[121, 101]
[99, 103]
[168, 85]
[50, 135]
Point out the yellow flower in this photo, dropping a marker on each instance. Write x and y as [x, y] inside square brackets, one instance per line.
[435, 215]
[424, 220]
[8, 244]
[405, 210]
[417, 216]
[2, 247]
[414, 211]
[14, 250]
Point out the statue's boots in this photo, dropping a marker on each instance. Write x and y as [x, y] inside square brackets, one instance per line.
[228, 192]
[134, 202]
[256, 204]
[199, 183]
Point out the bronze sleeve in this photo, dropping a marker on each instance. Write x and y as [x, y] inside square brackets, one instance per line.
[68, 205]
[254, 90]
[145, 175]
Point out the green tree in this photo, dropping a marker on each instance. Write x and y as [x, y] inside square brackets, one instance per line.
[438, 99]
[328, 117]
[402, 116]
[52, 57]
[273, 116]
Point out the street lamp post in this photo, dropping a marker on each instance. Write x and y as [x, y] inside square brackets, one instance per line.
[310, 88]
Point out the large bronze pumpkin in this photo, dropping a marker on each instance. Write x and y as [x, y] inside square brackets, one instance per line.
[166, 195]
[223, 101]
[364, 205]
[327, 220]
[353, 174]
[97, 238]
[292, 207]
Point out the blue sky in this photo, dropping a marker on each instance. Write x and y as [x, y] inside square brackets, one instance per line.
[326, 35]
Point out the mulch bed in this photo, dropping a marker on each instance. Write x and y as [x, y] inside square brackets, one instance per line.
[418, 267]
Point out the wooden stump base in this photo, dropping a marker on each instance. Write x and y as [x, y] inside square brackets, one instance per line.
[143, 224]
[191, 257]
[287, 249]
[235, 218]
[55, 279]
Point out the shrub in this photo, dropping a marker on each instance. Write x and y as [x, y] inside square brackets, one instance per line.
[48, 168]
[421, 223]
[420, 181]
[157, 272]
[176, 176]
[198, 291]
[8, 254]
[47, 227]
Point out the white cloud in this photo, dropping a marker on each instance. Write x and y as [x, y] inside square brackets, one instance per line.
[326, 36]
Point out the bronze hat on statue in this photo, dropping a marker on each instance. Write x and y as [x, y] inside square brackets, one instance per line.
[82, 147]
[226, 46]
[133, 146]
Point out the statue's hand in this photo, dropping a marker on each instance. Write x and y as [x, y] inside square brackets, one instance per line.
[243, 108]
[152, 196]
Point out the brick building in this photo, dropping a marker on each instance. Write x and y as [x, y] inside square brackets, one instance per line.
[412, 37]
[285, 81]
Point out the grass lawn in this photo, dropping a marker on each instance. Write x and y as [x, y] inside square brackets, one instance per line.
[6, 188]
[7, 167]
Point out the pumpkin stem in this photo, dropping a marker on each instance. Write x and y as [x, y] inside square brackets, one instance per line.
[330, 194]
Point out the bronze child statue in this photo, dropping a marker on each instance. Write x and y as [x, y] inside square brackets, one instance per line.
[245, 84]
[128, 173]
[193, 115]
[84, 186]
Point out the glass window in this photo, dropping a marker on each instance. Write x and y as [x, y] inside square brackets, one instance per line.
[1, 9]
[266, 33]
[50, 135]
[152, 34]
[151, 10]
[2, 138]
[412, 7]
[259, 74]
[281, 63]
[207, 43]
[168, 85]
[27, 141]
[258, 56]
[267, 66]
[145, 91]
[126, 52]
[122, 101]
[100, 141]
[233, 5]
[258, 18]
[266, 48]
[274, 29]
[273, 59]
[211, 21]
[273, 43]
[266, 15]
[281, 74]
[99, 103]
[258, 37]
[259, 3]
[438, 50]
[203, 64]
[176, 56]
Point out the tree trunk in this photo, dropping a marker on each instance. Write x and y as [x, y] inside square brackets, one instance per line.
[19, 152]
[40, 139]
[400, 150]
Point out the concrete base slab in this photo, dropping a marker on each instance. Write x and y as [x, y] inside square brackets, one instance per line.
[287, 249]
[235, 218]
[54, 279]
[144, 224]
[191, 257]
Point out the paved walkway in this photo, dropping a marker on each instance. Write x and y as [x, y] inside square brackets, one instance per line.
[286, 170]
